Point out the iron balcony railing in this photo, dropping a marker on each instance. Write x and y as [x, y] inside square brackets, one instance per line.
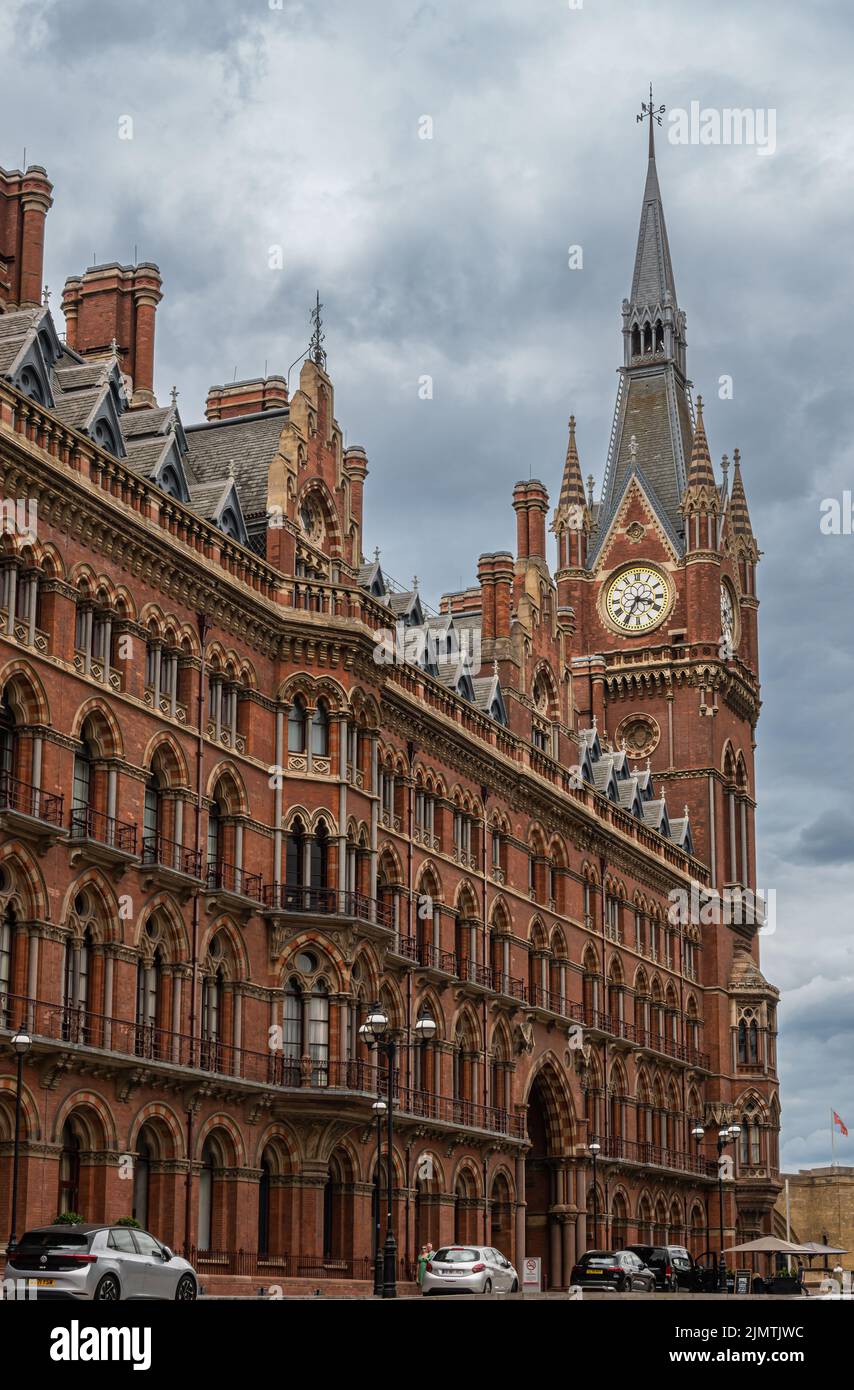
[645, 1037]
[231, 878]
[158, 851]
[79, 1025]
[652, 1155]
[294, 897]
[85, 823]
[28, 800]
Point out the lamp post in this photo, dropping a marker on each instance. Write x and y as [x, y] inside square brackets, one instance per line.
[379, 1108]
[594, 1149]
[698, 1134]
[21, 1042]
[377, 1024]
[726, 1136]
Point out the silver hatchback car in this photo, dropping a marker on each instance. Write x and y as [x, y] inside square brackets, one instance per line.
[469, 1269]
[96, 1262]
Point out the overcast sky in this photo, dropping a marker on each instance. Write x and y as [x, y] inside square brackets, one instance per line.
[257, 127]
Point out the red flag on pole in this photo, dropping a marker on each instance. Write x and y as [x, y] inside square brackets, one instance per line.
[838, 1121]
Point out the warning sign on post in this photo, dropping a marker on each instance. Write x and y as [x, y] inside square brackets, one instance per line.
[532, 1275]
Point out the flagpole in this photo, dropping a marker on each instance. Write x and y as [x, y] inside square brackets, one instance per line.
[832, 1140]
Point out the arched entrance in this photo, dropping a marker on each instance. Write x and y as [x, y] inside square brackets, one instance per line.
[549, 1230]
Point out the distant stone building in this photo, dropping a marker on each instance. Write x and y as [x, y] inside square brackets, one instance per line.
[234, 814]
[821, 1208]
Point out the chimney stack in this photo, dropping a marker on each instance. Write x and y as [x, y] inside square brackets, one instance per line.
[116, 304]
[246, 397]
[24, 202]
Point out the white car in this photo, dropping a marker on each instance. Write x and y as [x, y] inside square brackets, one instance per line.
[100, 1262]
[469, 1269]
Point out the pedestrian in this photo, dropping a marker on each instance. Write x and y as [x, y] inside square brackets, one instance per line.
[424, 1256]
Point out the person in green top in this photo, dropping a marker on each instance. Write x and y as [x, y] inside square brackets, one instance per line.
[426, 1253]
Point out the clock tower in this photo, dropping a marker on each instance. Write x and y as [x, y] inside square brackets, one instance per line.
[658, 581]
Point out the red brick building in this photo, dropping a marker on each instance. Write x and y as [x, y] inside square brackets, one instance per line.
[248, 787]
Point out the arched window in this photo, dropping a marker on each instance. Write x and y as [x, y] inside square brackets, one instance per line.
[320, 856]
[216, 835]
[8, 742]
[78, 952]
[152, 808]
[306, 1022]
[320, 731]
[207, 1186]
[141, 1182]
[149, 985]
[295, 855]
[213, 985]
[297, 725]
[69, 1171]
[750, 1139]
[7, 949]
[264, 1208]
[82, 786]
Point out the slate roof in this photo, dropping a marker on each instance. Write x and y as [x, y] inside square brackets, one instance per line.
[247, 442]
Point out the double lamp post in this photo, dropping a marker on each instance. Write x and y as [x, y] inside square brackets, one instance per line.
[375, 1032]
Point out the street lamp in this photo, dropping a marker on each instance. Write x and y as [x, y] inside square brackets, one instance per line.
[377, 1024]
[595, 1148]
[379, 1108]
[698, 1134]
[21, 1043]
[726, 1136]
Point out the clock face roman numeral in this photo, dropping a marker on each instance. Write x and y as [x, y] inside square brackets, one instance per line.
[636, 599]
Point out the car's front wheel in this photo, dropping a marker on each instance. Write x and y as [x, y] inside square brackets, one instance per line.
[108, 1290]
[629, 1286]
[514, 1287]
[186, 1291]
[487, 1286]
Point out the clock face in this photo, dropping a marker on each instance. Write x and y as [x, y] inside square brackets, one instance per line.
[727, 616]
[637, 598]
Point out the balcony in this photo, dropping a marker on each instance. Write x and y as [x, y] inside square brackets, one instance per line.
[56, 1028]
[29, 812]
[170, 864]
[643, 1037]
[294, 898]
[101, 839]
[555, 1003]
[229, 885]
[648, 1155]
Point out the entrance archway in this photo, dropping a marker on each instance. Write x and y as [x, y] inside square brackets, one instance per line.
[548, 1234]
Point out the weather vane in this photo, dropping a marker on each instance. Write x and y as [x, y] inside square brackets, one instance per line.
[316, 348]
[653, 113]
[649, 109]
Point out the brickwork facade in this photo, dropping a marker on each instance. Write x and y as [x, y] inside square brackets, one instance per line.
[233, 819]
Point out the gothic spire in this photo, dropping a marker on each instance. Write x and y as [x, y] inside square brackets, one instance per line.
[739, 515]
[572, 486]
[652, 433]
[700, 471]
[652, 282]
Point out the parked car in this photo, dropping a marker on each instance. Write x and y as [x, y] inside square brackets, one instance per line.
[621, 1270]
[99, 1262]
[672, 1266]
[469, 1269]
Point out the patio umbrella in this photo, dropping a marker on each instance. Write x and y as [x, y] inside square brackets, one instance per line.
[767, 1245]
[814, 1247]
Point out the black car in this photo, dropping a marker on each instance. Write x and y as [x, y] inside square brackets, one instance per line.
[621, 1270]
[672, 1266]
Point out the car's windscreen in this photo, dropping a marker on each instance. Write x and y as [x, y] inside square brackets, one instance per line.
[456, 1255]
[52, 1240]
